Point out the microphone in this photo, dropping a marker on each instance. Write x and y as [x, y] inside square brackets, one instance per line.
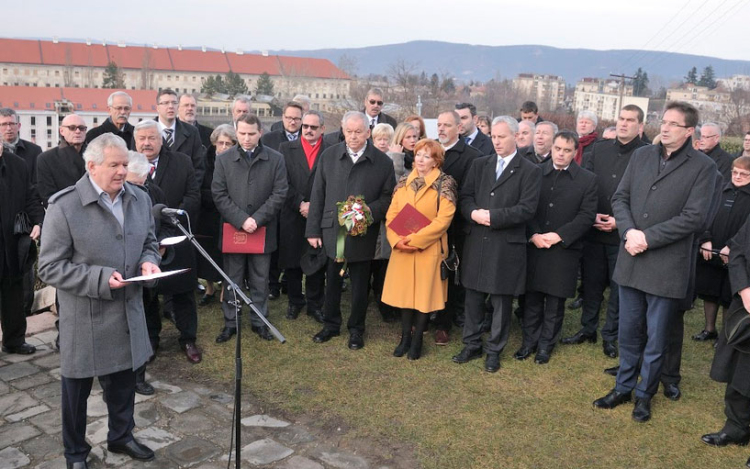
[160, 211]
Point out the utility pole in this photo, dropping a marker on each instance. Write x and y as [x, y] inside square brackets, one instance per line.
[622, 78]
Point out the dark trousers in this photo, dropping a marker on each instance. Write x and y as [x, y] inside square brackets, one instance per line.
[598, 266]
[542, 320]
[29, 279]
[737, 410]
[670, 372]
[314, 288]
[644, 323]
[12, 317]
[256, 268]
[502, 308]
[454, 306]
[185, 316]
[153, 319]
[119, 394]
[359, 276]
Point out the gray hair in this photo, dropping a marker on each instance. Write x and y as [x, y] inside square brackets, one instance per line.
[223, 130]
[528, 124]
[301, 98]
[313, 112]
[510, 121]
[243, 98]
[138, 164]
[8, 112]
[112, 97]
[355, 115]
[551, 125]
[145, 124]
[383, 129]
[590, 115]
[713, 125]
[375, 91]
[95, 150]
[697, 133]
[453, 113]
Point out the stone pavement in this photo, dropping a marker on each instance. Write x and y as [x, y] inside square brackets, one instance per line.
[187, 425]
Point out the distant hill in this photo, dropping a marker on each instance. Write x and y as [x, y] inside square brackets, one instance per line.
[468, 62]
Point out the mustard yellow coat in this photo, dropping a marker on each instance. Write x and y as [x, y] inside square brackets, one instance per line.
[413, 279]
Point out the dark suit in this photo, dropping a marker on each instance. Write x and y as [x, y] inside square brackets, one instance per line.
[482, 143]
[58, 168]
[187, 140]
[723, 161]
[109, 127]
[512, 201]
[336, 178]
[531, 155]
[333, 138]
[666, 199]
[273, 140]
[383, 118]
[205, 133]
[29, 152]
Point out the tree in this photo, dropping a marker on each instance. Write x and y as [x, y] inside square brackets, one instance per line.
[264, 85]
[234, 85]
[349, 64]
[692, 76]
[708, 78]
[640, 83]
[113, 76]
[213, 85]
[448, 86]
[147, 70]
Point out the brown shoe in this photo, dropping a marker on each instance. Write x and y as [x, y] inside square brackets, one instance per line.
[192, 351]
[441, 337]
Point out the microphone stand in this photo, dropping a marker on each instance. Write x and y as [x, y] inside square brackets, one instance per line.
[237, 291]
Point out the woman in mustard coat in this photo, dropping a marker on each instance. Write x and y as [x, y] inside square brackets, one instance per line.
[413, 281]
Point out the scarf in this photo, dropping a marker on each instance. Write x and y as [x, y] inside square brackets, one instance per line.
[311, 152]
[583, 142]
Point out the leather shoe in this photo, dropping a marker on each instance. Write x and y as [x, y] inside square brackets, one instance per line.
[192, 351]
[316, 314]
[441, 337]
[274, 295]
[704, 336]
[672, 391]
[613, 399]
[76, 465]
[721, 439]
[609, 347]
[542, 356]
[325, 335]
[144, 388]
[579, 338]
[226, 334]
[356, 341]
[523, 353]
[134, 449]
[262, 332]
[292, 311]
[492, 362]
[23, 349]
[207, 299]
[467, 354]
[612, 371]
[576, 304]
[642, 410]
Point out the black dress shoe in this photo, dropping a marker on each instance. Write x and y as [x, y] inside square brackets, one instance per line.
[325, 335]
[609, 347]
[704, 336]
[612, 400]
[612, 371]
[144, 388]
[134, 449]
[642, 410]
[292, 311]
[523, 353]
[672, 391]
[721, 439]
[467, 354]
[206, 299]
[576, 304]
[193, 353]
[316, 314]
[262, 332]
[492, 362]
[542, 356]
[22, 349]
[356, 341]
[226, 334]
[274, 295]
[76, 465]
[402, 346]
[579, 338]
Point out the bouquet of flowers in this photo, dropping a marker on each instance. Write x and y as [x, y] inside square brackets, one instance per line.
[354, 217]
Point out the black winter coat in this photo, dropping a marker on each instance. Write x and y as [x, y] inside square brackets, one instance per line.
[483, 143]
[723, 161]
[58, 168]
[273, 140]
[109, 127]
[29, 152]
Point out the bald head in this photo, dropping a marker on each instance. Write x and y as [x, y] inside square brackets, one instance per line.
[73, 130]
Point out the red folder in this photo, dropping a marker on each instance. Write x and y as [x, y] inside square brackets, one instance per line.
[409, 220]
[236, 241]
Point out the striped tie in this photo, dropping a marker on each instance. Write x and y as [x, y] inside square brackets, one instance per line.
[170, 137]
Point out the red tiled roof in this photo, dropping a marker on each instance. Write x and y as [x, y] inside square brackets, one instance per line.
[137, 57]
[305, 67]
[72, 53]
[253, 64]
[26, 98]
[19, 51]
[199, 61]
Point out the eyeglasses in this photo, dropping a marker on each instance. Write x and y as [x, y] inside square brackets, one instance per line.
[168, 103]
[311, 127]
[706, 137]
[122, 108]
[73, 128]
[374, 102]
[293, 119]
[740, 174]
[671, 124]
[8, 124]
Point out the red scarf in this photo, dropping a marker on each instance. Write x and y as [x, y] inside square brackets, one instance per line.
[311, 152]
[583, 142]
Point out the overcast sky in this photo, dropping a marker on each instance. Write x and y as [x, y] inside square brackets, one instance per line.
[704, 27]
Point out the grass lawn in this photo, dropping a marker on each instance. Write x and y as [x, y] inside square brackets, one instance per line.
[458, 416]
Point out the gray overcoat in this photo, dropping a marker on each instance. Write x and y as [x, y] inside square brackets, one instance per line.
[102, 331]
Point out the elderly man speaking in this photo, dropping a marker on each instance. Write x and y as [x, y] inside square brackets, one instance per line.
[97, 234]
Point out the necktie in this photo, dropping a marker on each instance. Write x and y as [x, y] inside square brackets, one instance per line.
[499, 170]
[292, 137]
[372, 123]
[170, 137]
[152, 172]
[468, 140]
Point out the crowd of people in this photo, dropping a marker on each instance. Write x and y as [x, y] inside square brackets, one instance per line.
[449, 231]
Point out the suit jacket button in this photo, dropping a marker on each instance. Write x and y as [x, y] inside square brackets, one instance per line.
[645, 215]
[492, 194]
[118, 237]
[653, 188]
[614, 176]
[551, 204]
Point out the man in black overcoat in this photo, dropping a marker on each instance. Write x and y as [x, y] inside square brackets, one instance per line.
[469, 130]
[186, 112]
[303, 100]
[660, 205]
[497, 200]
[292, 118]
[302, 157]
[62, 166]
[119, 106]
[374, 107]
[178, 136]
[352, 168]
[541, 149]
[709, 144]
[566, 210]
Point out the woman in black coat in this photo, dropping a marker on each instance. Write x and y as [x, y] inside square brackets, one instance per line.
[711, 277]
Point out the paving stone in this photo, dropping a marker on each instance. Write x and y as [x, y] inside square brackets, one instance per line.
[181, 402]
[263, 421]
[165, 387]
[46, 337]
[43, 447]
[221, 398]
[17, 370]
[265, 451]
[96, 431]
[49, 422]
[96, 407]
[16, 402]
[56, 463]
[295, 436]
[202, 391]
[141, 398]
[48, 393]
[13, 433]
[55, 373]
[48, 362]
[109, 459]
[155, 438]
[13, 458]
[4, 388]
[32, 381]
[145, 414]
[28, 413]
[18, 358]
[217, 411]
[299, 462]
[342, 460]
[194, 422]
[191, 451]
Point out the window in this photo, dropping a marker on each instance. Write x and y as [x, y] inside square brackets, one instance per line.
[96, 120]
[169, 77]
[49, 121]
[49, 133]
[57, 73]
[33, 119]
[33, 133]
[49, 144]
[47, 85]
[176, 78]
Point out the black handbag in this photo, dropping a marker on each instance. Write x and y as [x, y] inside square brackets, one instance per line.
[22, 224]
[450, 263]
